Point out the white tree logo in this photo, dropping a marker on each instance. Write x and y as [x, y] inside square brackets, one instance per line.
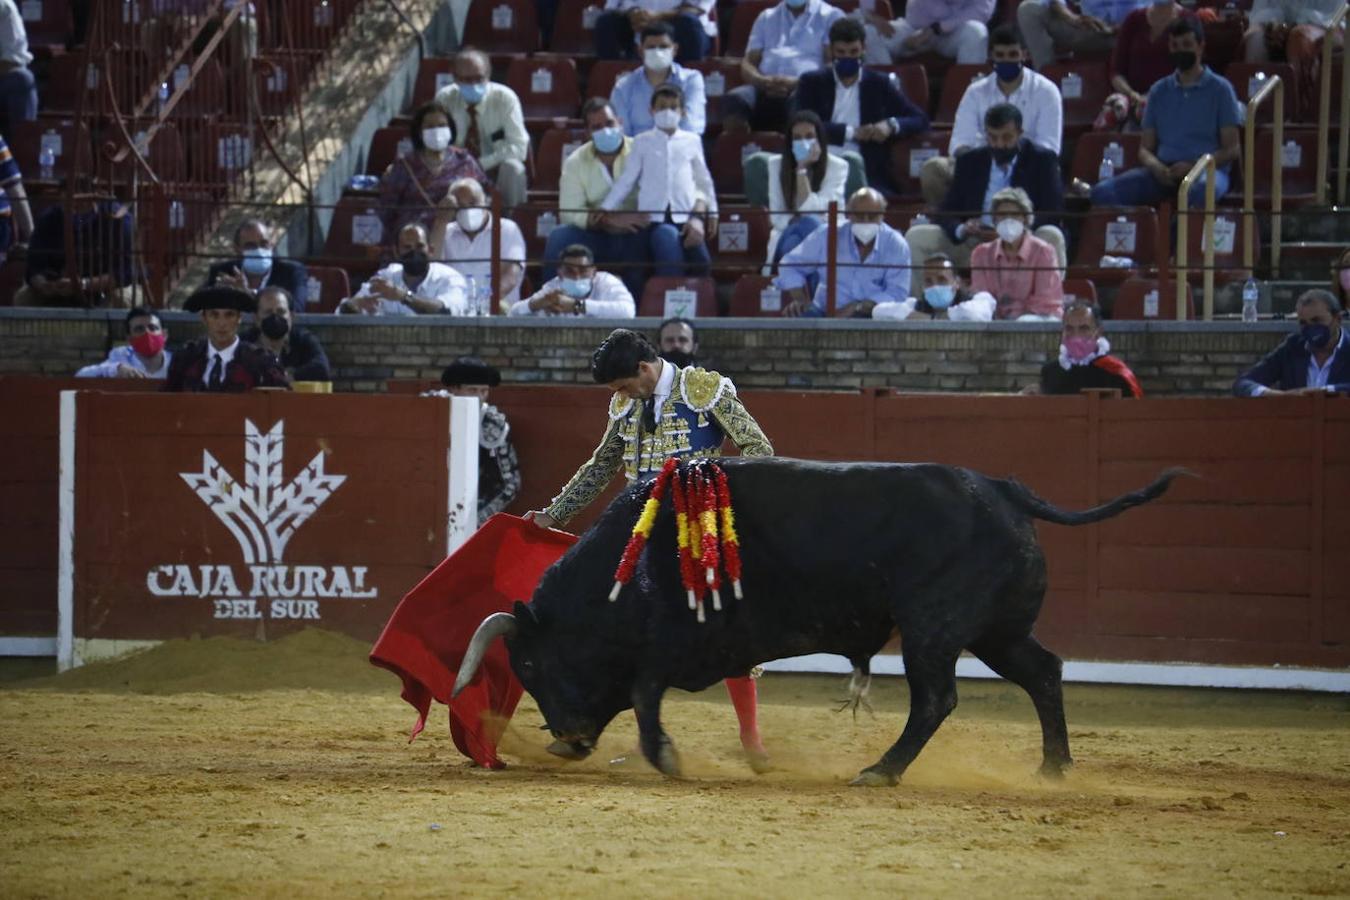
[262, 514]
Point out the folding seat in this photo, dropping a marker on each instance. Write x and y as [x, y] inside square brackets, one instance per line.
[1083, 88]
[537, 221]
[502, 26]
[554, 147]
[1144, 298]
[600, 81]
[387, 146]
[742, 20]
[61, 136]
[727, 163]
[1092, 146]
[328, 286]
[1079, 289]
[547, 87]
[909, 154]
[356, 240]
[954, 85]
[1121, 233]
[433, 74]
[741, 242]
[47, 23]
[755, 296]
[664, 297]
[574, 27]
[719, 76]
[1228, 233]
[913, 81]
[1248, 78]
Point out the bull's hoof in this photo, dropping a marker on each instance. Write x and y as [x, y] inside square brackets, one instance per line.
[666, 760]
[875, 778]
[1055, 771]
[759, 762]
[568, 751]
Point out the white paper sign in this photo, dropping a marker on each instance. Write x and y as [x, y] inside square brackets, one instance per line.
[680, 303]
[367, 229]
[1151, 304]
[91, 77]
[233, 152]
[502, 18]
[1254, 84]
[276, 80]
[748, 149]
[1116, 154]
[177, 215]
[589, 16]
[917, 157]
[569, 148]
[733, 237]
[1225, 233]
[771, 300]
[323, 15]
[1291, 156]
[714, 85]
[1120, 237]
[1071, 88]
[444, 80]
[404, 147]
[544, 225]
[541, 82]
[315, 290]
[32, 10]
[181, 74]
[51, 140]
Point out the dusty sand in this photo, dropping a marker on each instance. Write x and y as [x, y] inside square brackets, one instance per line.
[235, 769]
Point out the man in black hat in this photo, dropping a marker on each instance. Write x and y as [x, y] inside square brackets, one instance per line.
[498, 471]
[221, 361]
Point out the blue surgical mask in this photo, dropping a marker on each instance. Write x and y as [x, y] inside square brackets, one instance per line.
[472, 92]
[802, 147]
[576, 287]
[940, 296]
[847, 68]
[1316, 337]
[607, 140]
[1007, 71]
[258, 260]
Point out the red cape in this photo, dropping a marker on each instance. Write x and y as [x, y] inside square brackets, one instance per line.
[426, 638]
[1118, 368]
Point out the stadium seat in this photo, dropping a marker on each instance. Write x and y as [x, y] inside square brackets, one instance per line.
[547, 87]
[954, 85]
[900, 216]
[1079, 289]
[1230, 226]
[1143, 298]
[1223, 42]
[502, 26]
[165, 154]
[388, 145]
[280, 77]
[315, 24]
[1130, 233]
[913, 81]
[1247, 78]
[600, 81]
[536, 221]
[328, 286]
[664, 297]
[1088, 151]
[742, 20]
[554, 147]
[207, 94]
[433, 74]
[574, 27]
[755, 296]
[70, 76]
[1083, 87]
[356, 233]
[729, 155]
[719, 76]
[1298, 158]
[742, 240]
[61, 135]
[48, 23]
[908, 156]
[219, 151]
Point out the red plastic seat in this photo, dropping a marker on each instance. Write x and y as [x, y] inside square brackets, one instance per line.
[328, 286]
[719, 76]
[1144, 298]
[742, 20]
[316, 24]
[900, 216]
[433, 74]
[913, 79]
[1083, 88]
[356, 232]
[47, 23]
[742, 240]
[663, 297]
[280, 78]
[754, 296]
[1079, 290]
[574, 27]
[1247, 79]
[908, 155]
[502, 26]
[1087, 153]
[954, 85]
[600, 81]
[547, 86]
[536, 221]
[387, 146]
[1130, 233]
[554, 147]
[1298, 157]
[62, 136]
[1230, 226]
[729, 152]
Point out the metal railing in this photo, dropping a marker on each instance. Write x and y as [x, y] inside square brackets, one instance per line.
[1204, 164]
[1324, 116]
[1273, 86]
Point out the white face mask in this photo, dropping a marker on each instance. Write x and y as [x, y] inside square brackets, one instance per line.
[436, 138]
[1010, 229]
[866, 232]
[658, 59]
[668, 119]
[471, 219]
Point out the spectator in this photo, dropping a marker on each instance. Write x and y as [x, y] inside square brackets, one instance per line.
[1141, 57]
[677, 193]
[1085, 361]
[1292, 29]
[416, 183]
[1340, 278]
[688, 22]
[943, 297]
[498, 470]
[952, 28]
[786, 41]
[1189, 114]
[866, 110]
[1019, 269]
[489, 123]
[587, 175]
[1010, 82]
[221, 362]
[16, 216]
[18, 90]
[412, 285]
[142, 356]
[466, 244]
[253, 267]
[803, 181]
[103, 240]
[1007, 159]
[579, 290]
[872, 263]
[299, 350]
[677, 342]
[1314, 360]
[632, 94]
[1050, 27]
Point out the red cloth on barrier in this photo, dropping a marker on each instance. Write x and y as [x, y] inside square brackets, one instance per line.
[425, 639]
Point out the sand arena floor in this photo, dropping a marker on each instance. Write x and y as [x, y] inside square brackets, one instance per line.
[223, 768]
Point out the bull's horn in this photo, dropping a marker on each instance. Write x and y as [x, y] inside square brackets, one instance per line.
[494, 626]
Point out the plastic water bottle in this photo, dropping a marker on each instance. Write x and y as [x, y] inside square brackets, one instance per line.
[163, 96]
[47, 164]
[1107, 170]
[471, 297]
[1251, 293]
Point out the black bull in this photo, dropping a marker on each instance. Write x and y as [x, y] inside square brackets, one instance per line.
[836, 558]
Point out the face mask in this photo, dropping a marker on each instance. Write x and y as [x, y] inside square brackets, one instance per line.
[1316, 336]
[472, 93]
[274, 326]
[1009, 229]
[416, 264]
[1080, 347]
[658, 59]
[1183, 60]
[436, 138]
[940, 296]
[1003, 155]
[258, 260]
[678, 358]
[471, 219]
[576, 287]
[847, 68]
[802, 147]
[1007, 71]
[669, 119]
[607, 140]
[866, 232]
[148, 344]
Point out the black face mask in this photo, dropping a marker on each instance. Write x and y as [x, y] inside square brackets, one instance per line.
[678, 357]
[416, 264]
[1184, 60]
[275, 326]
[1004, 155]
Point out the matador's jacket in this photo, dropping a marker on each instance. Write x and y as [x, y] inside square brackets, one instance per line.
[700, 413]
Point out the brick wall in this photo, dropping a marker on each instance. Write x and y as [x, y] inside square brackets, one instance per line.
[1169, 357]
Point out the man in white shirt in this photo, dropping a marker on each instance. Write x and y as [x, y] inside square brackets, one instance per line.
[786, 42]
[142, 356]
[690, 20]
[412, 285]
[464, 231]
[18, 91]
[1011, 82]
[489, 123]
[579, 290]
[675, 190]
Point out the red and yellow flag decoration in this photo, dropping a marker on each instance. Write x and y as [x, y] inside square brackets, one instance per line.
[731, 546]
[643, 529]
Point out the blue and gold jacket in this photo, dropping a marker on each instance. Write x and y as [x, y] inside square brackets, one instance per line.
[700, 413]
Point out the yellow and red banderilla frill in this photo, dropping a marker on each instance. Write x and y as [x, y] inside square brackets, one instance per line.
[705, 528]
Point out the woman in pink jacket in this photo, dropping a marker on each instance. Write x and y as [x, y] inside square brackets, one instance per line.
[1018, 268]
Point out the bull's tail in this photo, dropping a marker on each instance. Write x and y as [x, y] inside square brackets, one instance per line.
[1024, 499]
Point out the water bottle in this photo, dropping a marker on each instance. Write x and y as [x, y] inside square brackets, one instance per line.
[1107, 170]
[163, 96]
[919, 219]
[46, 164]
[471, 297]
[1250, 294]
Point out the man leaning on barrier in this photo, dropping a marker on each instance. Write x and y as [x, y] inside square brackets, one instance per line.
[1313, 360]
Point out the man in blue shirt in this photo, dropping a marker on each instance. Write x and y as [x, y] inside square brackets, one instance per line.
[1050, 25]
[1189, 114]
[1313, 360]
[872, 263]
[787, 41]
[631, 98]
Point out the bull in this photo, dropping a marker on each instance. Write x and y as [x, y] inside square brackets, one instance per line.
[836, 558]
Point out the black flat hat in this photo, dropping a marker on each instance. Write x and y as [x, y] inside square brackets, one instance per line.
[220, 298]
[470, 370]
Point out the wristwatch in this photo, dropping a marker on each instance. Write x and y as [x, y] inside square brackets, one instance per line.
[581, 307]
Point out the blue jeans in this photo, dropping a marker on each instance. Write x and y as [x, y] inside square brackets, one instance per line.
[794, 234]
[670, 258]
[18, 100]
[614, 38]
[630, 250]
[1138, 187]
